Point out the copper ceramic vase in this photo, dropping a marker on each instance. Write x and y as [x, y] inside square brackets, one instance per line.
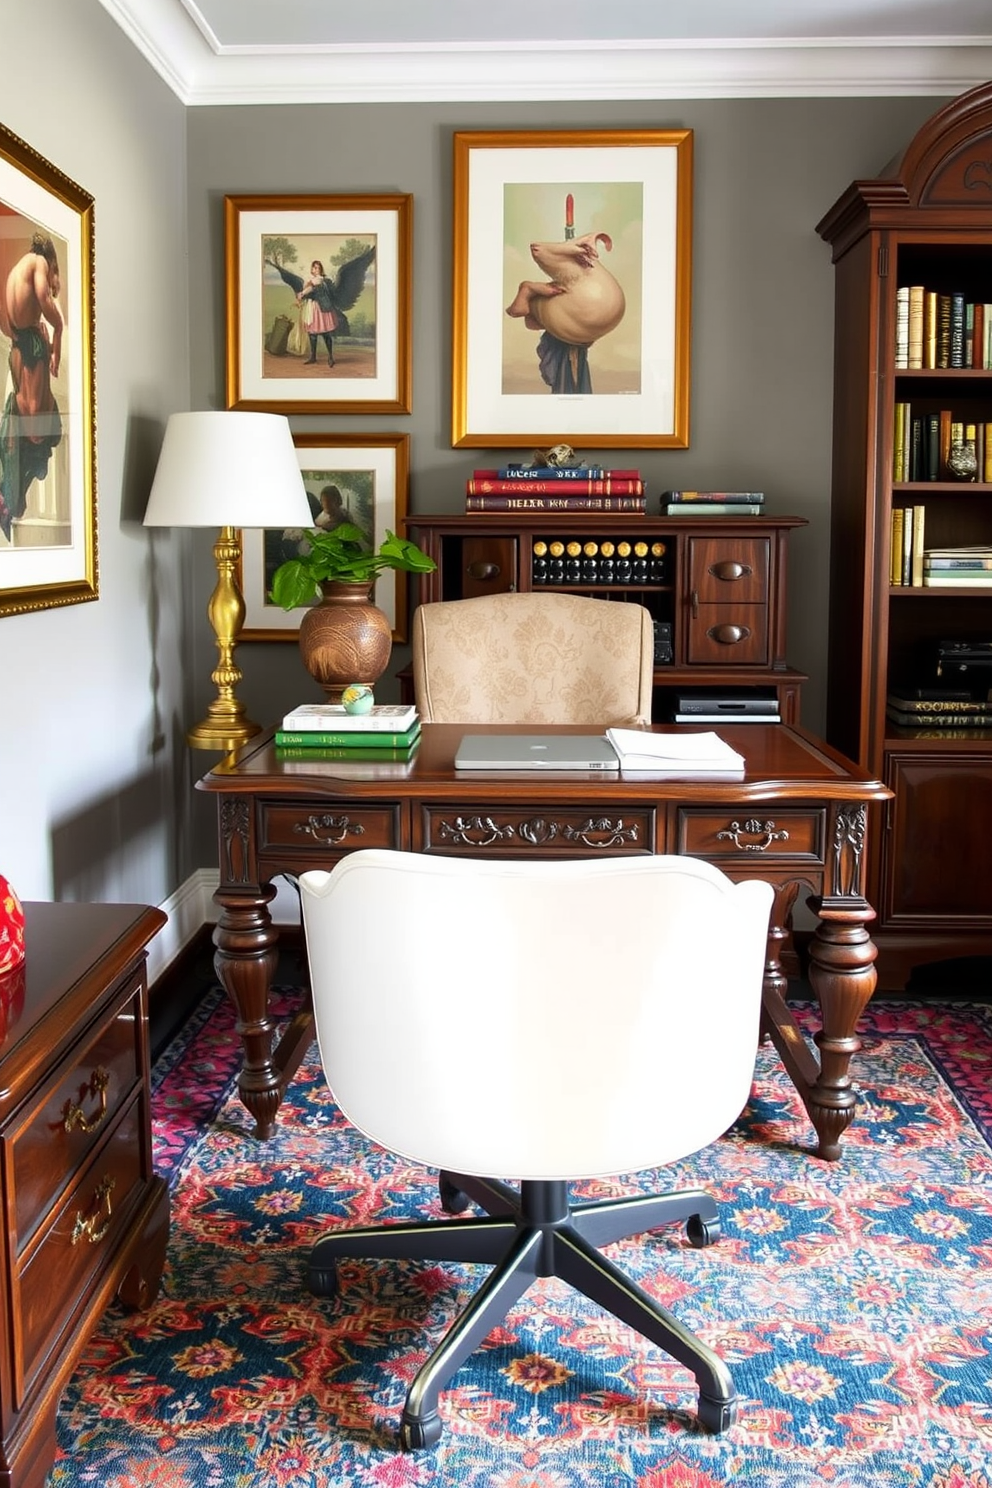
[346, 638]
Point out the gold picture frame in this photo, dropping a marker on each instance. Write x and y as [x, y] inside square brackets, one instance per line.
[48, 530]
[370, 474]
[587, 341]
[338, 341]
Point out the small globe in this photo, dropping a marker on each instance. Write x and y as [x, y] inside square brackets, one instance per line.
[358, 698]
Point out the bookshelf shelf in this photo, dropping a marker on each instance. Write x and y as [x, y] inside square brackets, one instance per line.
[919, 224]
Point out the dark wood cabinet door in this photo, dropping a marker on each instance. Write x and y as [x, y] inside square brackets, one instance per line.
[937, 855]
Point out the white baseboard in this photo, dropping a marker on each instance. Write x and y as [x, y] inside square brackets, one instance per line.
[192, 906]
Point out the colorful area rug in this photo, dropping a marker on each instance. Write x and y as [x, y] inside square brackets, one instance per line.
[852, 1302]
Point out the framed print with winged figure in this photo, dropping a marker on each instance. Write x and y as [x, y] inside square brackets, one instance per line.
[318, 303]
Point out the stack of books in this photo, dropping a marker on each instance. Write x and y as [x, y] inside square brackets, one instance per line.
[712, 503]
[325, 731]
[906, 551]
[550, 488]
[924, 708]
[957, 568]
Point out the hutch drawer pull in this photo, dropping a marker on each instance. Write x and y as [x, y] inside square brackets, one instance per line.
[481, 570]
[91, 1229]
[730, 570]
[73, 1115]
[728, 635]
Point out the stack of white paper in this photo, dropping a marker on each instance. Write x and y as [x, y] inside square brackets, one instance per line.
[641, 752]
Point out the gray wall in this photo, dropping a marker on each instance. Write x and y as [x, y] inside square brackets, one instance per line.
[94, 696]
[762, 311]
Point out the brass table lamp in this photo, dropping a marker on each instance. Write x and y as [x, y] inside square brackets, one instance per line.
[229, 470]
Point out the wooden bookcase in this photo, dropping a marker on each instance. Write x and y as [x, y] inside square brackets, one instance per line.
[926, 221]
[719, 586]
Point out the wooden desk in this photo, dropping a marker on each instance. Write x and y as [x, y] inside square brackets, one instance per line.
[799, 819]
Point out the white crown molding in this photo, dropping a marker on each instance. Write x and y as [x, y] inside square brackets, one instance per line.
[201, 74]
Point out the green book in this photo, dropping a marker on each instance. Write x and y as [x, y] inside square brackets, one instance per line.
[375, 756]
[347, 741]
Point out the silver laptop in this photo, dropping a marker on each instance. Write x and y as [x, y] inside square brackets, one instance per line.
[535, 752]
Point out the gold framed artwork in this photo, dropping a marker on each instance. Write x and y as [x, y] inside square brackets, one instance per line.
[48, 533]
[318, 292]
[572, 288]
[360, 478]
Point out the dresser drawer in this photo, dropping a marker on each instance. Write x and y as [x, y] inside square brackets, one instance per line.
[78, 1237]
[56, 1131]
[311, 828]
[785, 836]
[556, 831]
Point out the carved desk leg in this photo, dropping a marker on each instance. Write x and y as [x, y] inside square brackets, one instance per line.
[842, 974]
[245, 961]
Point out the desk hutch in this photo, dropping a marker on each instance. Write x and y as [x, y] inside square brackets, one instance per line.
[717, 592]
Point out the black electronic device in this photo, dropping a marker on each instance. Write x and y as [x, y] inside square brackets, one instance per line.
[728, 701]
[662, 643]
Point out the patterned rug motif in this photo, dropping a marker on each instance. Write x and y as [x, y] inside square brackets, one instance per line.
[852, 1301]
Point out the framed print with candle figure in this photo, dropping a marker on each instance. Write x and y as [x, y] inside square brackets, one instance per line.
[318, 303]
[357, 478]
[48, 539]
[572, 279]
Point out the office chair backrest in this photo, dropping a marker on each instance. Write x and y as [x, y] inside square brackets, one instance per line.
[536, 1019]
[532, 659]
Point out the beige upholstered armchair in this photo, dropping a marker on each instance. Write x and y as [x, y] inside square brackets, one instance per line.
[533, 658]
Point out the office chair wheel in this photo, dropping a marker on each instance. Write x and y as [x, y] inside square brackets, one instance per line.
[419, 1432]
[716, 1415]
[323, 1280]
[702, 1232]
[453, 1201]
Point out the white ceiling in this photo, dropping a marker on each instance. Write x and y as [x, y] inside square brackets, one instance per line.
[382, 51]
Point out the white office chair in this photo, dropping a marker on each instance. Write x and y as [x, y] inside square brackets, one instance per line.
[543, 1021]
[533, 658]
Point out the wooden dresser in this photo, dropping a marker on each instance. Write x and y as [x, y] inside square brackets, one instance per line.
[85, 1218]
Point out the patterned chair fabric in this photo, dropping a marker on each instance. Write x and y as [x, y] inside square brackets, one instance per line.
[534, 659]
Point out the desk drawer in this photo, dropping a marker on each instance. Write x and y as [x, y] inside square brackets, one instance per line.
[309, 827]
[722, 836]
[73, 1114]
[554, 832]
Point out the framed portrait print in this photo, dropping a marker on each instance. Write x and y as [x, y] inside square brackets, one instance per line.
[48, 537]
[360, 478]
[318, 303]
[572, 280]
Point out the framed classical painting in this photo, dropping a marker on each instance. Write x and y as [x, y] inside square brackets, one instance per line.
[572, 279]
[360, 478]
[48, 536]
[318, 303]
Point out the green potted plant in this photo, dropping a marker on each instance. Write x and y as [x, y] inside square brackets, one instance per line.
[342, 556]
[346, 637]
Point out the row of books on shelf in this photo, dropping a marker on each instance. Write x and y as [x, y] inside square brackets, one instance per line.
[912, 565]
[935, 446]
[549, 488]
[327, 731]
[938, 712]
[936, 330]
[555, 488]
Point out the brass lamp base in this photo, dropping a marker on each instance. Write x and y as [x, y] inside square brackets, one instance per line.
[218, 734]
[225, 726]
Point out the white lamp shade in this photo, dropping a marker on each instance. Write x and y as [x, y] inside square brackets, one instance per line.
[228, 469]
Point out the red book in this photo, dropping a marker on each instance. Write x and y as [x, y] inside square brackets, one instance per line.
[608, 486]
[560, 504]
[567, 473]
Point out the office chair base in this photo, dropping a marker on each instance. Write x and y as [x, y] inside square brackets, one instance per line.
[523, 1235]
